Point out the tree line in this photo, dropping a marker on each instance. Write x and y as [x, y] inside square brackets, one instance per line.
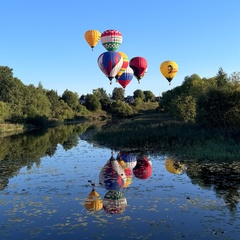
[23, 104]
[213, 101]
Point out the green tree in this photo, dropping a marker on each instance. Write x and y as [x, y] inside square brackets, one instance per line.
[71, 98]
[221, 78]
[92, 102]
[149, 96]
[118, 94]
[219, 108]
[121, 109]
[4, 111]
[138, 94]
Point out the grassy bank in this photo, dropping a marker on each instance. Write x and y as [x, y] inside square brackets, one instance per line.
[159, 133]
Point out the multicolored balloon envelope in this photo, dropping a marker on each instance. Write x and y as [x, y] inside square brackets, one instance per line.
[143, 169]
[93, 202]
[124, 66]
[92, 37]
[126, 77]
[127, 172]
[129, 158]
[169, 70]
[173, 166]
[112, 176]
[111, 39]
[139, 66]
[114, 202]
[110, 63]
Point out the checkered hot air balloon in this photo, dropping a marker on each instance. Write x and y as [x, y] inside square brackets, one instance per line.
[111, 39]
[110, 64]
[114, 202]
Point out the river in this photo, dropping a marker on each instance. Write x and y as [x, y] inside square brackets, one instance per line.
[56, 185]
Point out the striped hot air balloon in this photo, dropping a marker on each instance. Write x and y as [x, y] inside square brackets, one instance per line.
[110, 64]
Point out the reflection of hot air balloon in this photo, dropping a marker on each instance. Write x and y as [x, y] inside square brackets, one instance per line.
[139, 66]
[126, 77]
[169, 69]
[93, 202]
[92, 37]
[111, 39]
[143, 169]
[112, 177]
[129, 158]
[127, 172]
[114, 202]
[124, 66]
[173, 166]
[110, 64]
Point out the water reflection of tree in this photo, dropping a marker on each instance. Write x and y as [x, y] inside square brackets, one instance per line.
[27, 149]
[223, 178]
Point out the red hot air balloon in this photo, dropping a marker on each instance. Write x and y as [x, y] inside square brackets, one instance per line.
[139, 66]
[143, 169]
[110, 64]
[125, 77]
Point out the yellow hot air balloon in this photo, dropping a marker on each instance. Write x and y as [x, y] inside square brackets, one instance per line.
[173, 166]
[169, 69]
[93, 202]
[92, 37]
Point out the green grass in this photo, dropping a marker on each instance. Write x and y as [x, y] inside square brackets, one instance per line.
[158, 133]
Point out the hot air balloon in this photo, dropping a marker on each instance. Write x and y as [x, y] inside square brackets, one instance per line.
[173, 166]
[124, 66]
[143, 169]
[114, 202]
[110, 177]
[126, 77]
[129, 158]
[169, 69]
[139, 66]
[111, 39]
[127, 172]
[93, 202]
[110, 64]
[92, 37]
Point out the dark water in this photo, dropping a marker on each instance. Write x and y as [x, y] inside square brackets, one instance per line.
[45, 180]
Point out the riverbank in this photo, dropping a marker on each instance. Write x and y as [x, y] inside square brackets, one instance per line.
[159, 132]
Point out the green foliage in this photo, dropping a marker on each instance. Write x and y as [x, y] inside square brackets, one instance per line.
[183, 108]
[149, 96]
[219, 108]
[118, 94]
[70, 98]
[121, 109]
[92, 102]
[139, 94]
[4, 111]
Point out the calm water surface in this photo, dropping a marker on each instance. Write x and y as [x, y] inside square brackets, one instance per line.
[146, 199]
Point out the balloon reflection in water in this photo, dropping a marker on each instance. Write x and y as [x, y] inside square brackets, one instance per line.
[143, 169]
[127, 171]
[114, 202]
[113, 176]
[173, 166]
[129, 158]
[94, 201]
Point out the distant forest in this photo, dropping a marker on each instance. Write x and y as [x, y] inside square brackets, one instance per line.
[213, 101]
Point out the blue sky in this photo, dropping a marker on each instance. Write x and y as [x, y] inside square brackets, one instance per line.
[43, 40]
